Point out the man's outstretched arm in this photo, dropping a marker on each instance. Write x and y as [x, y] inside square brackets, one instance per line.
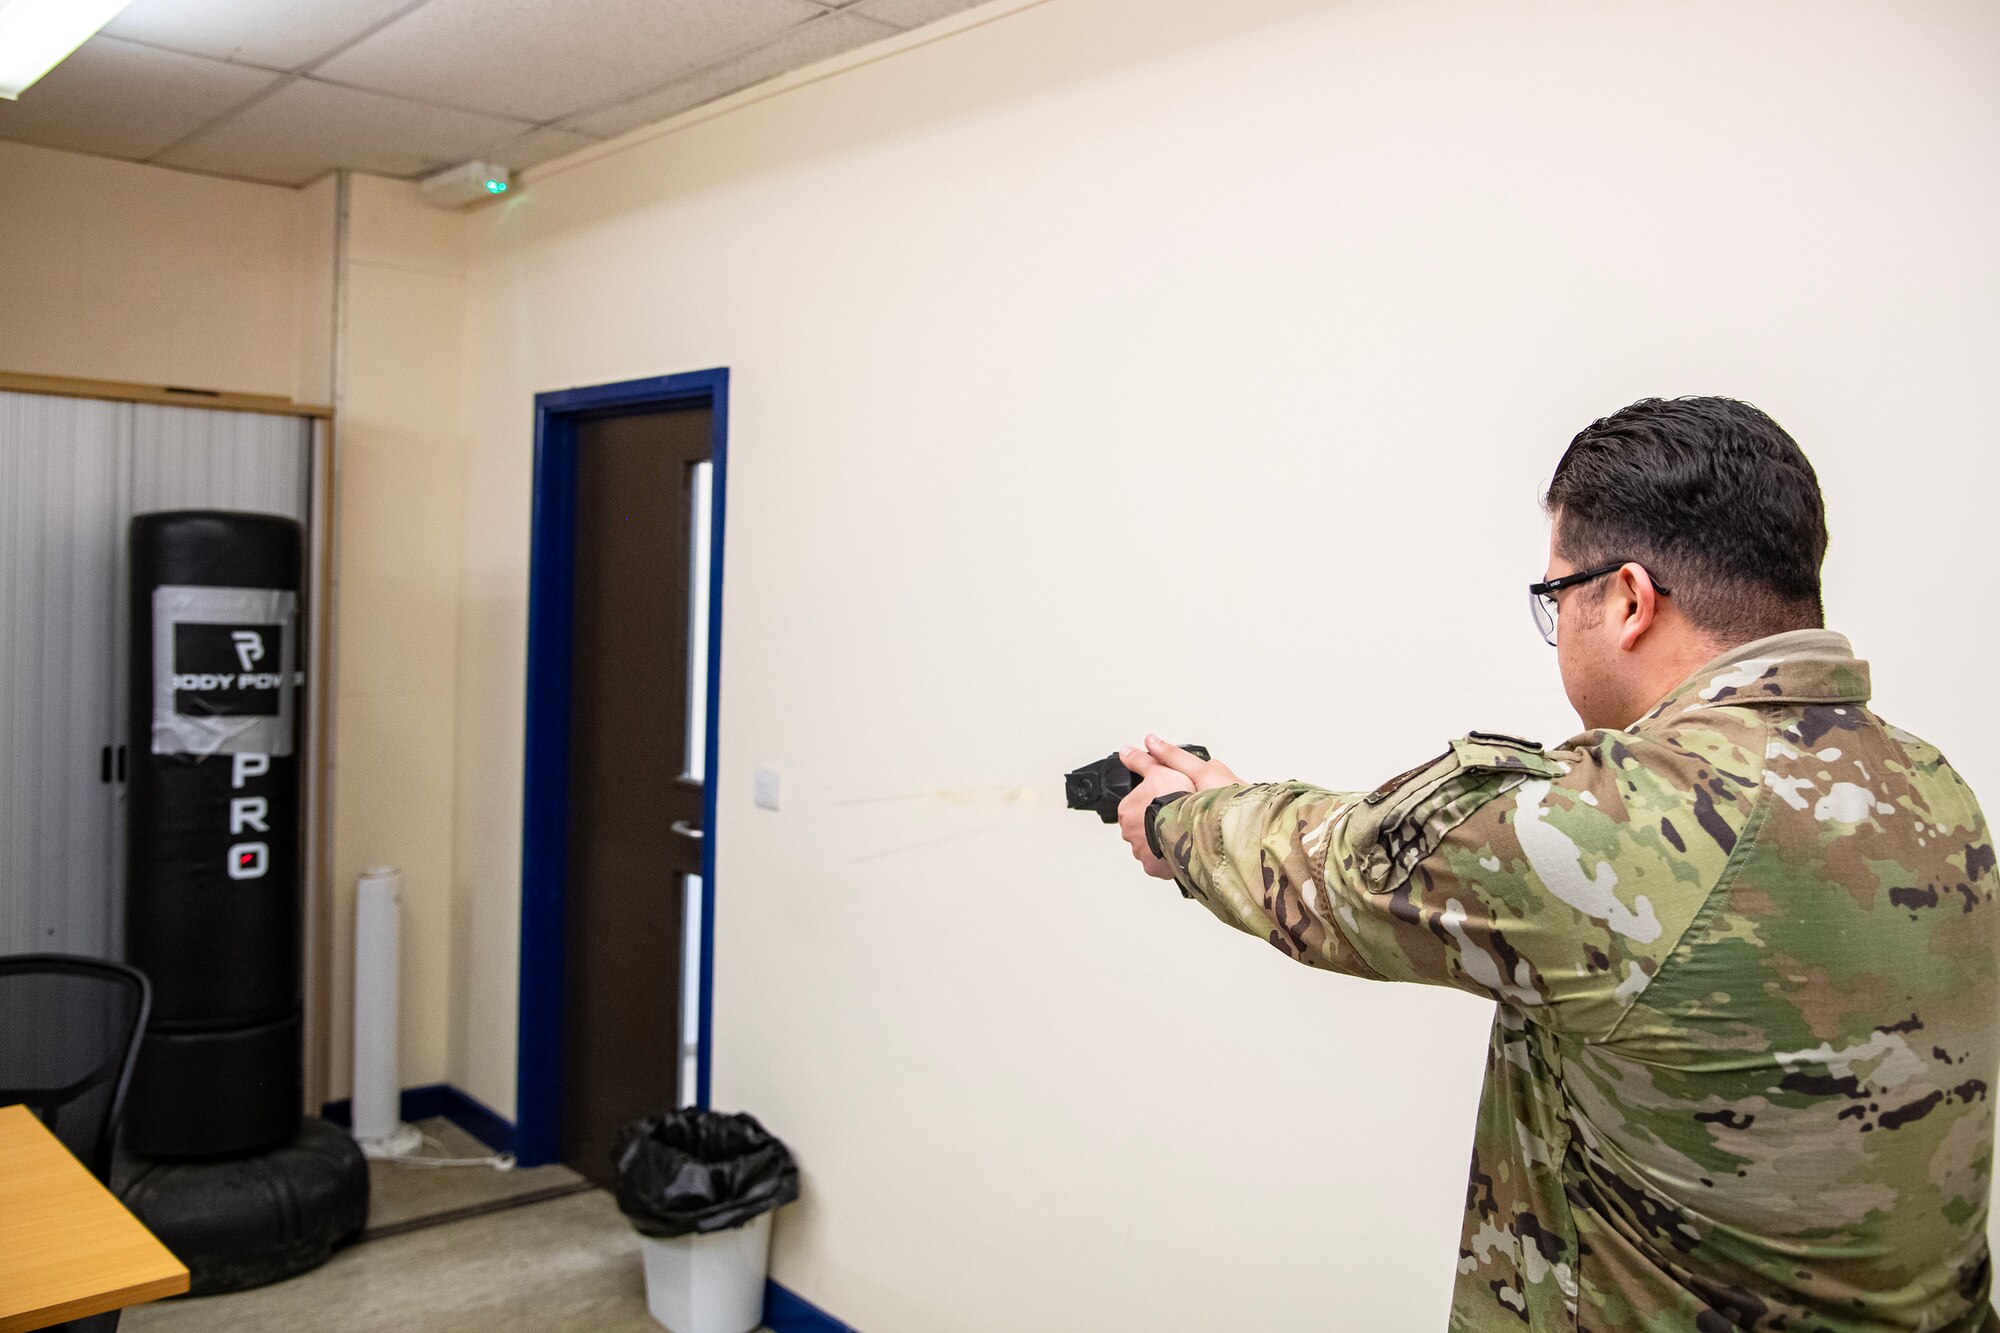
[1253, 854]
[1490, 869]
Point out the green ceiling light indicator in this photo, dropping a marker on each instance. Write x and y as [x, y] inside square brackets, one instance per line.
[465, 184]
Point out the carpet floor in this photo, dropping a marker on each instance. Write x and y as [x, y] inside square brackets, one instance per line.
[402, 1197]
[565, 1263]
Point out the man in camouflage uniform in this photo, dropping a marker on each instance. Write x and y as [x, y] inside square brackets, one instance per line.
[1741, 932]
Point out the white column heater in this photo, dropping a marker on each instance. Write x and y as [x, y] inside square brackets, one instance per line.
[378, 1123]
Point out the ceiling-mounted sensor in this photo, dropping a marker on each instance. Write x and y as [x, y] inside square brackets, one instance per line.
[466, 183]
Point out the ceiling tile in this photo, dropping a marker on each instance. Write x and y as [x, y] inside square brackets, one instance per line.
[120, 100]
[540, 61]
[536, 147]
[802, 45]
[308, 128]
[912, 13]
[283, 34]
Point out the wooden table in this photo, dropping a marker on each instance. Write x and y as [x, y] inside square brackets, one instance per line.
[67, 1247]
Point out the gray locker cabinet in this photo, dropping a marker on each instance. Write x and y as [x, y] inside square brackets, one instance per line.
[59, 511]
[73, 471]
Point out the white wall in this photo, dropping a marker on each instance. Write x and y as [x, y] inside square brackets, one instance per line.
[117, 271]
[1195, 367]
[400, 491]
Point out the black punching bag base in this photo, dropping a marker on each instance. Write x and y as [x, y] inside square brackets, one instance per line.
[259, 1069]
[249, 1221]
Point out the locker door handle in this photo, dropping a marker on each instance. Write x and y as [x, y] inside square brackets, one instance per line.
[104, 765]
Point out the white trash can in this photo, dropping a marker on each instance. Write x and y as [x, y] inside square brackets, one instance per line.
[712, 1283]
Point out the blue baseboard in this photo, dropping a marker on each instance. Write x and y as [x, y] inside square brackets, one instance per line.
[441, 1099]
[788, 1312]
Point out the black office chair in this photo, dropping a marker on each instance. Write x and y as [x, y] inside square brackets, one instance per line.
[69, 1034]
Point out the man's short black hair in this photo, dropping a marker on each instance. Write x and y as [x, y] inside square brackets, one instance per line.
[1712, 497]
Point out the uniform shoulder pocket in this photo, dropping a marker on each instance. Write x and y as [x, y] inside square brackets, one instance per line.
[1401, 822]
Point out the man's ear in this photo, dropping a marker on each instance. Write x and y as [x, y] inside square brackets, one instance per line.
[1636, 603]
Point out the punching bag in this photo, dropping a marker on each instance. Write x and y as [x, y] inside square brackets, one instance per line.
[213, 870]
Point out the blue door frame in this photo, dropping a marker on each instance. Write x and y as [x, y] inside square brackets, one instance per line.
[545, 806]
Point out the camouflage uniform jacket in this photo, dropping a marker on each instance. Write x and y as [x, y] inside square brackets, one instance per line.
[1744, 957]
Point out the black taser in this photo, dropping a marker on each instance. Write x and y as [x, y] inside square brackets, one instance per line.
[1102, 785]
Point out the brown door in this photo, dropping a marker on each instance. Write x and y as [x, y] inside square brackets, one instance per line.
[635, 797]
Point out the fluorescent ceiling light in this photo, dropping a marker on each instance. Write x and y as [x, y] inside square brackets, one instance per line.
[35, 35]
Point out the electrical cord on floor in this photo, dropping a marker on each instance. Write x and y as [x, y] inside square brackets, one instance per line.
[500, 1161]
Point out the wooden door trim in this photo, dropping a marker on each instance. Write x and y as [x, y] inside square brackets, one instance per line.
[545, 796]
[168, 395]
[317, 909]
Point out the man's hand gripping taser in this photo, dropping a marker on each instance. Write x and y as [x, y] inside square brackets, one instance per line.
[1102, 785]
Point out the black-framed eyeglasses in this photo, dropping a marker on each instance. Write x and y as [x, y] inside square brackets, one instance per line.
[1542, 596]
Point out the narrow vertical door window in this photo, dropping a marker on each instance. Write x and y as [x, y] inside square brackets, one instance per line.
[690, 1090]
[695, 766]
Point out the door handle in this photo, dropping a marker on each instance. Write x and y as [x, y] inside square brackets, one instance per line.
[685, 829]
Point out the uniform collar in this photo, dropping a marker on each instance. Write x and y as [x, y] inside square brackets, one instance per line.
[1801, 666]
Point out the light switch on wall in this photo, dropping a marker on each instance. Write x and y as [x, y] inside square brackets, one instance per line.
[764, 788]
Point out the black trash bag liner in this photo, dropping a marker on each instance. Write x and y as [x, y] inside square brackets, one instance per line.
[699, 1171]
